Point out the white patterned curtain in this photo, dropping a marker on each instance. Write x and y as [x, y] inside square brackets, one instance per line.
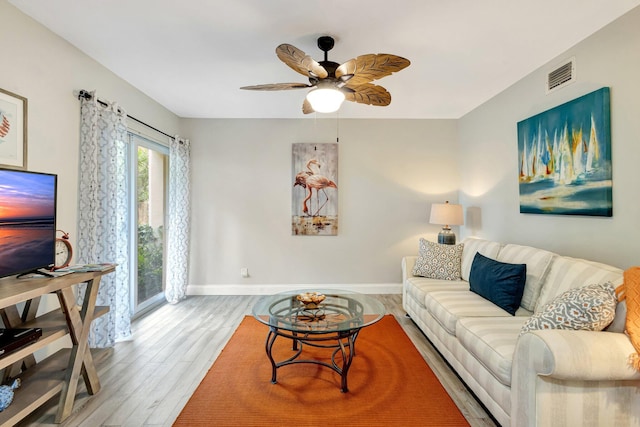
[179, 220]
[103, 214]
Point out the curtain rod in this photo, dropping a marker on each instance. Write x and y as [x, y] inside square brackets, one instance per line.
[87, 95]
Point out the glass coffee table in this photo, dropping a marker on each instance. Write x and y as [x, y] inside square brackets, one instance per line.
[333, 323]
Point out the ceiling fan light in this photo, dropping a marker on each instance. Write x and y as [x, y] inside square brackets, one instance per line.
[325, 100]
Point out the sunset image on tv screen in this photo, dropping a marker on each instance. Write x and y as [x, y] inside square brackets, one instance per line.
[27, 220]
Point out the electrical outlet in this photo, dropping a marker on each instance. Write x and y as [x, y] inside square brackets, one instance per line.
[244, 272]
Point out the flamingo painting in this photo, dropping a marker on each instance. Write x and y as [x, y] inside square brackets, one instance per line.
[310, 180]
[315, 168]
[301, 177]
[317, 182]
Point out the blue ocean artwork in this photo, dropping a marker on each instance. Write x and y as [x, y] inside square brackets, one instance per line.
[564, 158]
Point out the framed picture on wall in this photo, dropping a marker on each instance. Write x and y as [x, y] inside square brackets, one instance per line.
[314, 197]
[13, 130]
[564, 158]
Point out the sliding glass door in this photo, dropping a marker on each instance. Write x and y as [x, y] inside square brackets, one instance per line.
[148, 196]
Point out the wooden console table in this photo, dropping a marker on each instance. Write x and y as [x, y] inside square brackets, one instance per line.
[60, 372]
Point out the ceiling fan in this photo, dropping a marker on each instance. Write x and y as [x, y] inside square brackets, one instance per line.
[330, 81]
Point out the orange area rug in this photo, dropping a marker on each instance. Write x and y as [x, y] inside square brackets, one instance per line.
[390, 384]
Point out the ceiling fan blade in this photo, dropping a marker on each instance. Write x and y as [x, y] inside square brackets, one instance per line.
[278, 86]
[369, 94]
[366, 68]
[300, 61]
[306, 107]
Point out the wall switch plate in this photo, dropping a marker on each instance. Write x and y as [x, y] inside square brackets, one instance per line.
[244, 272]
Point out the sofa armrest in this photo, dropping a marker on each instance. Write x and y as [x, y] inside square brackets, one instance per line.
[554, 367]
[578, 355]
[407, 266]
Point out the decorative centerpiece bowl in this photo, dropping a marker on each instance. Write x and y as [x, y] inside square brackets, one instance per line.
[311, 299]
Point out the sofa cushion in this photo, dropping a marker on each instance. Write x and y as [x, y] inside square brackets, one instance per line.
[492, 340]
[538, 262]
[499, 282]
[619, 322]
[418, 287]
[437, 261]
[473, 246]
[589, 308]
[569, 273]
[447, 307]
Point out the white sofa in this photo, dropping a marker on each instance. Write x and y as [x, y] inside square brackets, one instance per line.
[544, 377]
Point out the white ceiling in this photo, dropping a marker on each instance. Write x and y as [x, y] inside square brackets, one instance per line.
[193, 55]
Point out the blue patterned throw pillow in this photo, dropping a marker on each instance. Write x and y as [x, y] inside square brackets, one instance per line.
[437, 261]
[590, 308]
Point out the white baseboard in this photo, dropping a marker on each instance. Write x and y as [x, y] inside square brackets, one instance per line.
[258, 289]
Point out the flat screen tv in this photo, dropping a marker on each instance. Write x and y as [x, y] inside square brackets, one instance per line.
[27, 221]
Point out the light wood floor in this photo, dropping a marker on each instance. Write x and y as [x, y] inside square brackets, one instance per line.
[148, 380]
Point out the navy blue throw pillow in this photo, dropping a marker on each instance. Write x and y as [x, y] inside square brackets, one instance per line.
[499, 282]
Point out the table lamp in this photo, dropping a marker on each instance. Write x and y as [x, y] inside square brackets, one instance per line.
[446, 214]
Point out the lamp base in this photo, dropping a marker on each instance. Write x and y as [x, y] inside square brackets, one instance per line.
[447, 237]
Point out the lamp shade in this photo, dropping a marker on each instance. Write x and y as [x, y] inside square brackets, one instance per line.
[446, 214]
[325, 99]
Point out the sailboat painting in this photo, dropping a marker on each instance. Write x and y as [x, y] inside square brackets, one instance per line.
[564, 158]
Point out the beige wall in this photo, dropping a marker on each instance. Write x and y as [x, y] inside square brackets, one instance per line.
[47, 70]
[242, 196]
[488, 147]
[390, 171]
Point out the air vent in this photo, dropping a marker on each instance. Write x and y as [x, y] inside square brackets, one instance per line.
[561, 76]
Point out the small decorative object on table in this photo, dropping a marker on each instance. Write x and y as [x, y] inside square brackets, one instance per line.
[64, 251]
[6, 394]
[311, 299]
[84, 268]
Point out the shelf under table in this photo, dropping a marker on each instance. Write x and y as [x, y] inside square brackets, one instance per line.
[53, 326]
[39, 384]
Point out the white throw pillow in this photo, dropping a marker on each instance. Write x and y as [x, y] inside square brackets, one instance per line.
[590, 308]
[437, 261]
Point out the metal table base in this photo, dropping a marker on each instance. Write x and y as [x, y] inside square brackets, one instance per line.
[344, 344]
